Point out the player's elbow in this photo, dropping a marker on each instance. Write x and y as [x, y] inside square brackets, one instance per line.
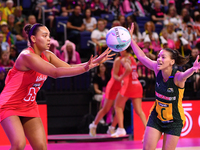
[54, 74]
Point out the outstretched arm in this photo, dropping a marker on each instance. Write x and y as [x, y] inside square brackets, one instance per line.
[140, 54]
[181, 77]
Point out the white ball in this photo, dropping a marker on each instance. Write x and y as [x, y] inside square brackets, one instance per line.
[118, 38]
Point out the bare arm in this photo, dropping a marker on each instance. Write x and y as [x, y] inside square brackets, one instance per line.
[141, 55]
[96, 88]
[181, 77]
[28, 60]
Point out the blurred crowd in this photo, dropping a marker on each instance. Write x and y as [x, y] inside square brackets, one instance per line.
[158, 24]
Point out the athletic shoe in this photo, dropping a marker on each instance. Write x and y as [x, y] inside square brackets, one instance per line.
[119, 132]
[92, 128]
[111, 130]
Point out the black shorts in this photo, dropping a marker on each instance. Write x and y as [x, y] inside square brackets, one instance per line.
[171, 128]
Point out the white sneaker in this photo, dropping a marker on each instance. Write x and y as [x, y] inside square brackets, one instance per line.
[119, 132]
[111, 130]
[102, 121]
[92, 128]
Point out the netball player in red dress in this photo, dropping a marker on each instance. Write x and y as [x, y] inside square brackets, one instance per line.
[112, 88]
[19, 114]
[131, 88]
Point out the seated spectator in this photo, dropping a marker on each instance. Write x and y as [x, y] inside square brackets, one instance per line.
[137, 36]
[196, 11]
[115, 8]
[182, 45]
[146, 4]
[4, 45]
[20, 20]
[7, 35]
[150, 31]
[129, 21]
[133, 6]
[83, 4]
[67, 7]
[13, 28]
[2, 78]
[185, 18]
[13, 53]
[53, 47]
[98, 36]
[97, 8]
[158, 13]
[149, 50]
[31, 20]
[171, 32]
[196, 76]
[100, 81]
[75, 25]
[189, 34]
[165, 41]
[90, 22]
[69, 53]
[9, 9]
[37, 7]
[5, 61]
[51, 11]
[173, 17]
[122, 21]
[116, 23]
[188, 5]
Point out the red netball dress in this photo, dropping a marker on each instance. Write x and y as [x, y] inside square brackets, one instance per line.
[113, 86]
[19, 94]
[131, 86]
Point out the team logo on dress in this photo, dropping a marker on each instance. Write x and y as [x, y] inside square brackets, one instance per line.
[170, 90]
[41, 78]
[157, 84]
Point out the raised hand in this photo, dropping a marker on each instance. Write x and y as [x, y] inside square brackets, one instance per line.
[196, 64]
[104, 56]
[131, 29]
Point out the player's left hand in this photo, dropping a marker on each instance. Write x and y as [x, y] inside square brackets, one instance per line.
[196, 65]
[104, 57]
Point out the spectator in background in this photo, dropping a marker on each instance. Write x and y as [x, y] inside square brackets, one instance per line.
[7, 35]
[75, 25]
[5, 61]
[197, 25]
[13, 53]
[115, 8]
[9, 9]
[170, 43]
[2, 78]
[37, 5]
[158, 13]
[53, 47]
[98, 36]
[129, 20]
[146, 4]
[97, 8]
[13, 28]
[84, 5]
[4, 46]
[150, 31]
[188, 5]
[69, 53]
[171, 32]
[116, 23]
[51, 11]
[89, 21]
[67, 7]
[100, 81]
[196, 76]
[122, 21]
[20, 20]
[173, 17]
[182, 45]
[137, 36]
[189, 34]
[31, 20]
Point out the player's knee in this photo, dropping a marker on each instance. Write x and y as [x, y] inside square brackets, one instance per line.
[40, 146]
[18, 145]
